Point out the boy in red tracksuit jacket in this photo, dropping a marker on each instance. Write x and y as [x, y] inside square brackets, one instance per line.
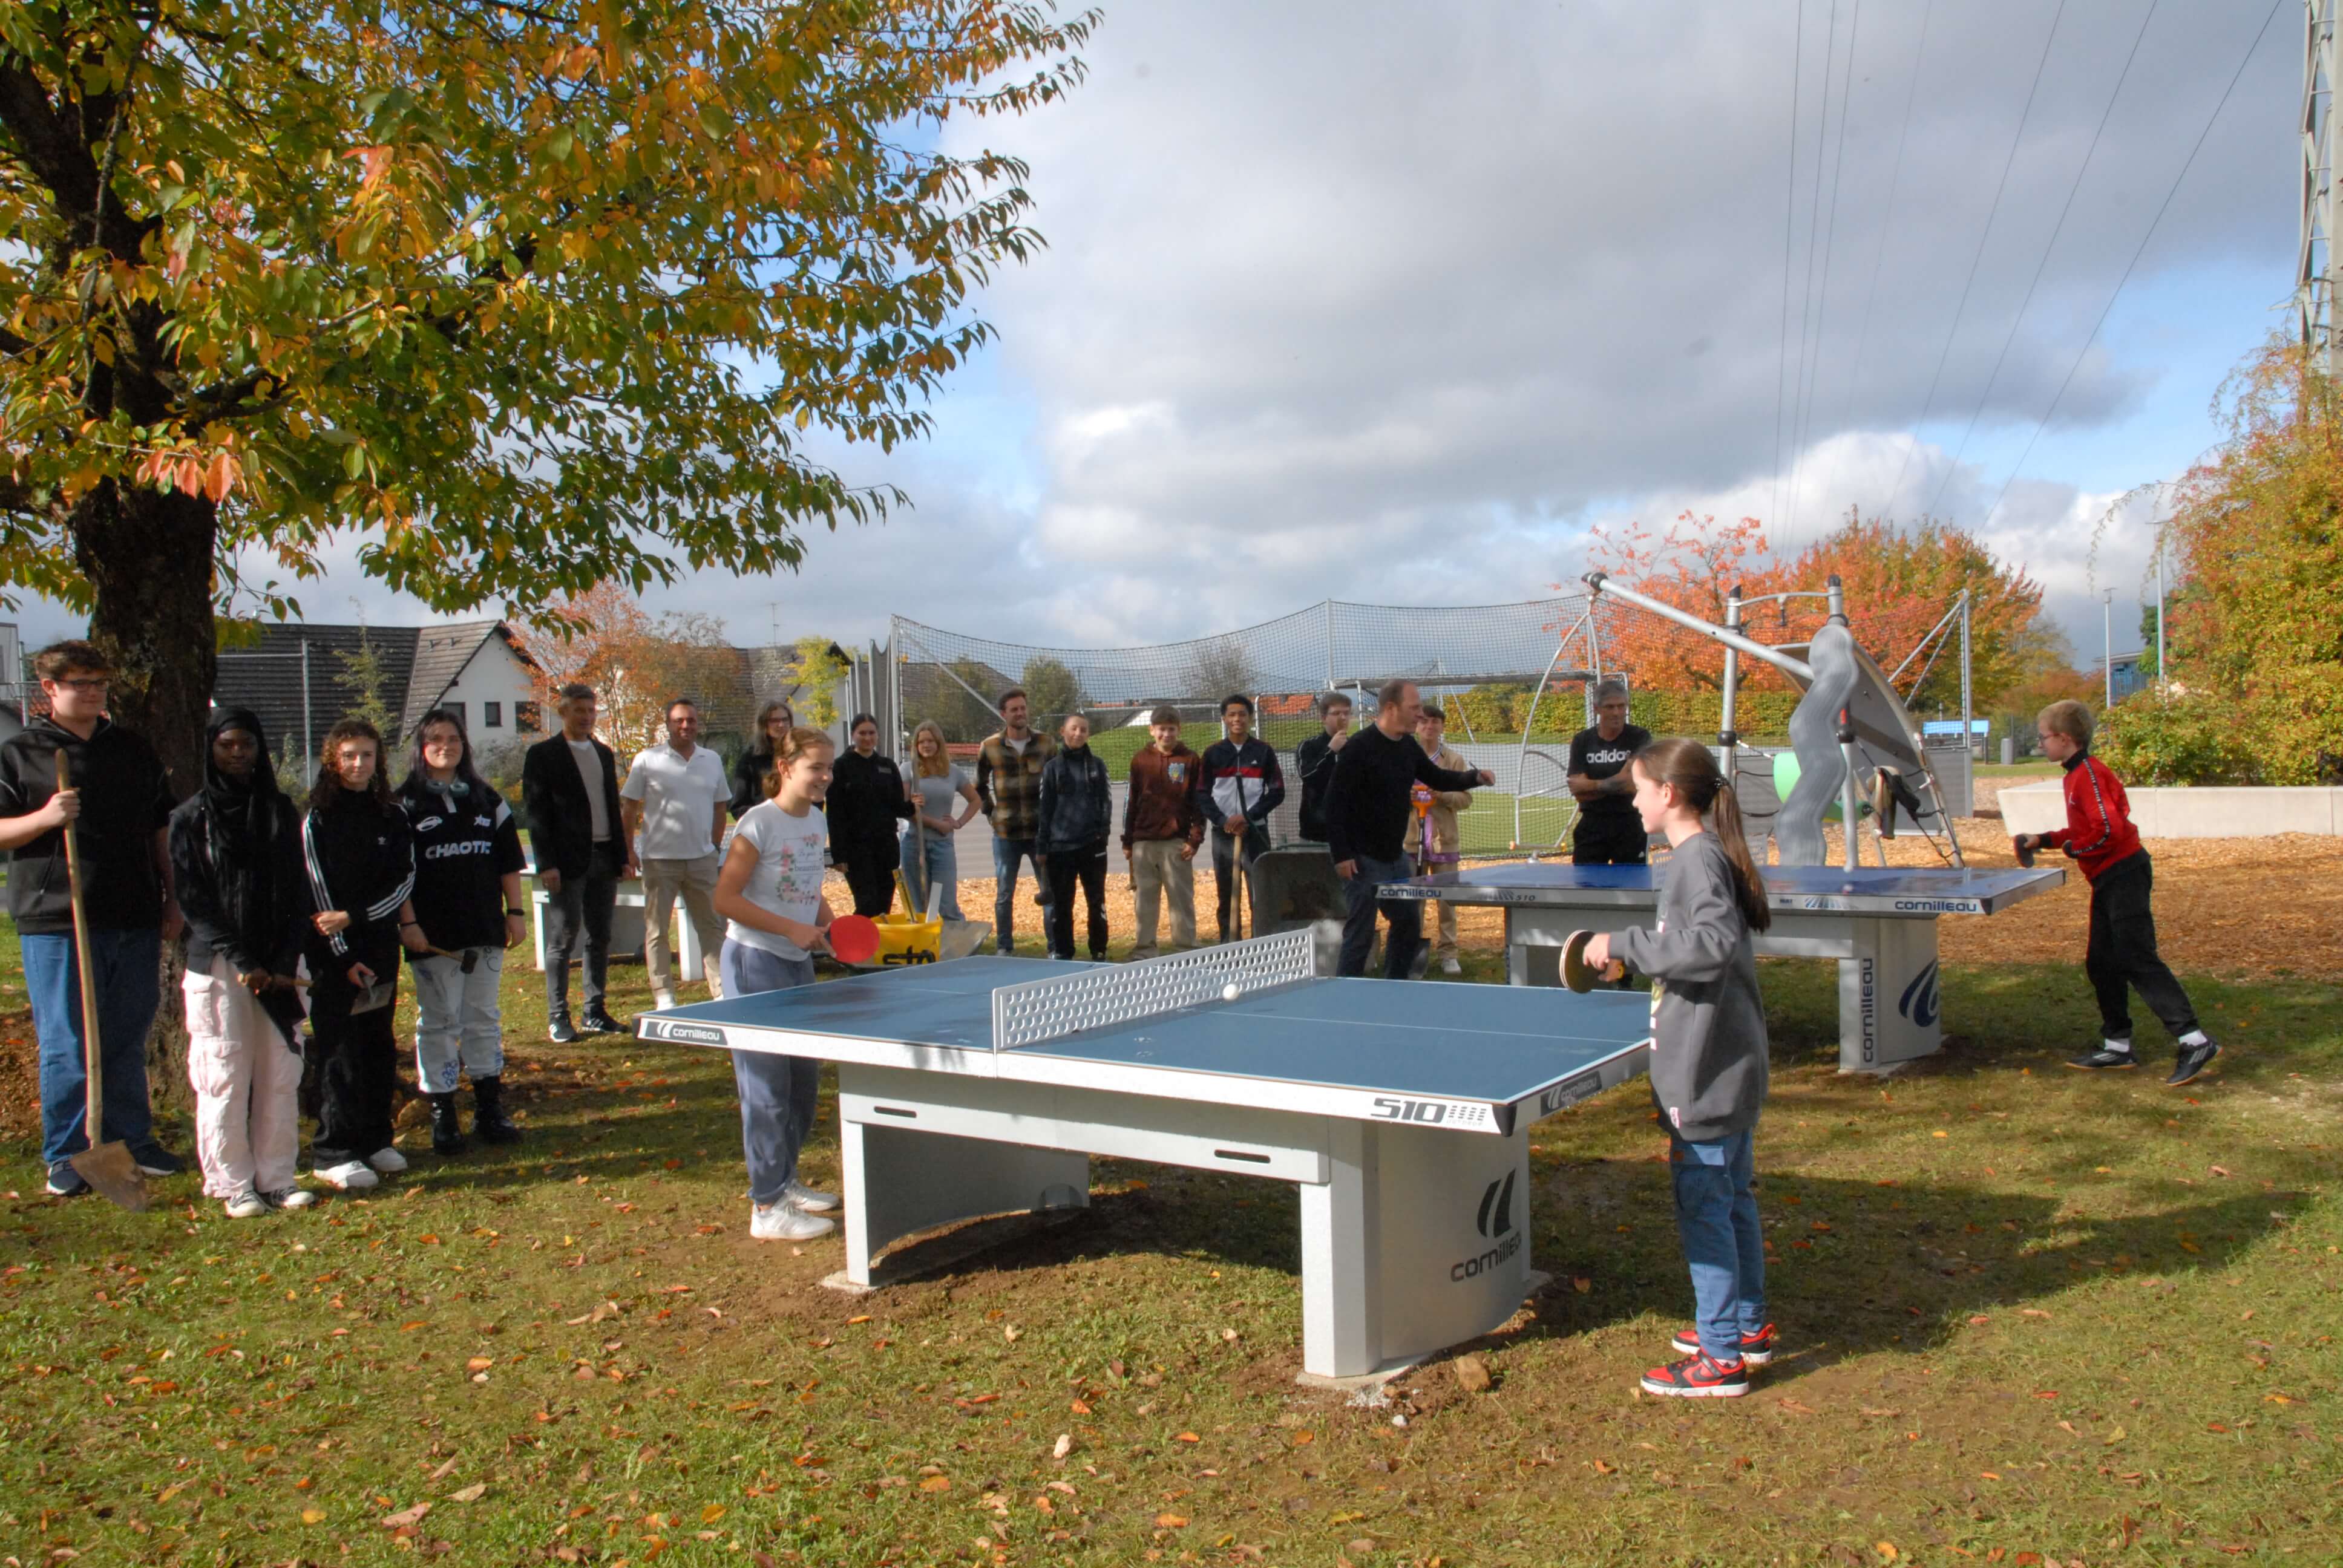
[2099, 835]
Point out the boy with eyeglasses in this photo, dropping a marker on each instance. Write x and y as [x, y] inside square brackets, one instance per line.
[118, 808]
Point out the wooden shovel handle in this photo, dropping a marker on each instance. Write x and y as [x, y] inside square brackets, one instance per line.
[95, 1112]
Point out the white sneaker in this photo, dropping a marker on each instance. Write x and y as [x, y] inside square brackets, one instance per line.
[785, 1222]
[812, 1200]
[289, 1198]
[246, 1205]
[389, 1162]
[662, 1000]
[1448, 966]
[350, 1176]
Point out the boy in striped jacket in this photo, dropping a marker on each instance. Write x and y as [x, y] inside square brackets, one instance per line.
[2100, 838]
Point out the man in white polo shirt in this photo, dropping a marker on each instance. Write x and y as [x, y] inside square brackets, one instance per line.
[675, 796]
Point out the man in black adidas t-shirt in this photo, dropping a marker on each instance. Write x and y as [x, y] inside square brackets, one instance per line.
[1608, 832]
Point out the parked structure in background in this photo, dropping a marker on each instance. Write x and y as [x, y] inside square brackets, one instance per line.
[16, 688]
[302, 678]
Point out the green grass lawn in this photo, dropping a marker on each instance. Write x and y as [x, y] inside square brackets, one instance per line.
[2031, 1317]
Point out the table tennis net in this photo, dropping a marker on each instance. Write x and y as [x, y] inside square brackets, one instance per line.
[1042, 1011]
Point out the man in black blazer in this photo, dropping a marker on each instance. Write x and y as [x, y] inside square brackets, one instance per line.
[569, 790]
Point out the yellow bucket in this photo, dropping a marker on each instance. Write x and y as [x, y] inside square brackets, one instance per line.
[904, 941]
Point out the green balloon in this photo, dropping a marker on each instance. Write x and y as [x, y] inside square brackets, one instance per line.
[1785, 779]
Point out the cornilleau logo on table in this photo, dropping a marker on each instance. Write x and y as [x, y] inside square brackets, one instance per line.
[1496, 1215]
[1495, 1220]
[1921, 1001]
[686, 1033]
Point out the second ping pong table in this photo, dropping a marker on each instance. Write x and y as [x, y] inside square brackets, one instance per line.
[1400, 1110]
[1878, 922]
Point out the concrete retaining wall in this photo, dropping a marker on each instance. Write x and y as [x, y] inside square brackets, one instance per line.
[2186, 813]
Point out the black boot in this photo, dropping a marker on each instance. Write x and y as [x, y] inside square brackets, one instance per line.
[488, 1118]
[447, 1126]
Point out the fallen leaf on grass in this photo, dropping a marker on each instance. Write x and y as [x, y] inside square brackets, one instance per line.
[1063, 1446]
[313, 1516]
[2032, 1312]
[1794, 1407]
[1187, 1437]
[936, 1484]
[472, 1494]
[1602, 1467]
[1171, 1521]
[405, 1516]
[1886, 1549]
[479, 1363]
[2218, 1171]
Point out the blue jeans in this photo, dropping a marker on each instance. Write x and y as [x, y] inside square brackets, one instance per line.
[581, 913]
[1006, 852]
[1359, 923]
[937, 867]
[1716, 1221]
[127, 967]
[776, 1092]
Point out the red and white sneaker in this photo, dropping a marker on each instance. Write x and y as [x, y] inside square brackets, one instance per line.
[1756, 1349]
[1697, 1377]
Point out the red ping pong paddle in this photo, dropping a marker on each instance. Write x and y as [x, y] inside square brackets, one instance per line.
[854, 939]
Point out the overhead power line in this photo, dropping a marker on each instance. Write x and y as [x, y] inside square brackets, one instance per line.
[1789, 228]
[2058, 228]
[1970, 282]
[1804, 422]
[1887, 223]
[2141, 250]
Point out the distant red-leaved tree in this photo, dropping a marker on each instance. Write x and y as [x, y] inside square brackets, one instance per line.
[1899, 582]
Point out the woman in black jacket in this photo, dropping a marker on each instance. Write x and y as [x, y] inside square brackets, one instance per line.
[360, 859]
[867, 798]
[774, 722]
[1075, 815]
[236, 863]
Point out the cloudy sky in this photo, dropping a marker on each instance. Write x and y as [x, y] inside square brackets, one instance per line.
[1392, 303]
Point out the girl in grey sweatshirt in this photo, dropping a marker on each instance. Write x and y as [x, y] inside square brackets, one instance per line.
[1708, 1057]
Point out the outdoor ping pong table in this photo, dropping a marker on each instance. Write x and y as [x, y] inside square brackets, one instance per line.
[1878, 922]
[983, 1086]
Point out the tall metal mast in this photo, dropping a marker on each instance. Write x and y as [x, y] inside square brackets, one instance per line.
[2318, 266]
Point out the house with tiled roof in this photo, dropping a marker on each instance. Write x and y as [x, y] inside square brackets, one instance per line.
[302, 678]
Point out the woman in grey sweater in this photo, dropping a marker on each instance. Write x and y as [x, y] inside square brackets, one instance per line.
[1708, 1058]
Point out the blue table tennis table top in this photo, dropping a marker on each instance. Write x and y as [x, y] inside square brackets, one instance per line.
[1883, 888]
[1500, 1044]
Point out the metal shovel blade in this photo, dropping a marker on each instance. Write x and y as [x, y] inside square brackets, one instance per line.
[109, 1168]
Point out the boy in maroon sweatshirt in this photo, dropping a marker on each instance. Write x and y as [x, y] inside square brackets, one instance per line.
[2100, 836]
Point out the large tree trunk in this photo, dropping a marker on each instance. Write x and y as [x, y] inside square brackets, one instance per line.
[148, 554]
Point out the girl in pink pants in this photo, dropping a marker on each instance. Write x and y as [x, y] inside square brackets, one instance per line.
[236, 858]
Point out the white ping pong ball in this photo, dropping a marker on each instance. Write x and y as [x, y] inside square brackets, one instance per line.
[1228, 992]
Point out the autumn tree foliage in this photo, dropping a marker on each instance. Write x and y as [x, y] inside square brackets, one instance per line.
[2255, 633]
[635, 662]
[1899, 581]
[518, 297]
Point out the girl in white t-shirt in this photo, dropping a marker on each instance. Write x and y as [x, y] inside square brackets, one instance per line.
[769, 894]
